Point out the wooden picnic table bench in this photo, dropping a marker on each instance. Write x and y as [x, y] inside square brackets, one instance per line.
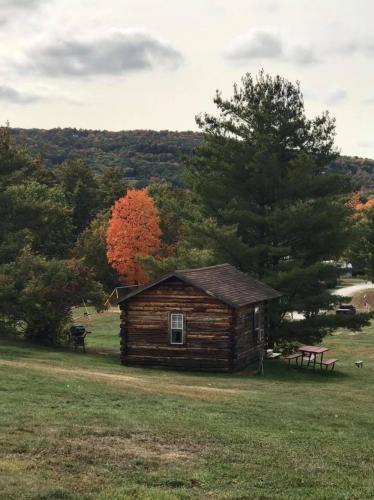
[329, 362]
[295, 356]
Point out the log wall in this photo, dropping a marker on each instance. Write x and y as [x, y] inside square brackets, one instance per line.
[246, 349]
[209, 329]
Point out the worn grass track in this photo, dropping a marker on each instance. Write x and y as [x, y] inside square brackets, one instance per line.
[79, 426]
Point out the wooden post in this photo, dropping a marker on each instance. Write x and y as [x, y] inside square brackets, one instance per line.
[87, 311]
[118, 307]
[123, 333]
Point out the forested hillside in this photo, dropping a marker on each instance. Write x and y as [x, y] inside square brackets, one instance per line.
[361, 170]
[143, 154]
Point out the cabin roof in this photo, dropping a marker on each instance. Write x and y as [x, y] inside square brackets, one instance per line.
[224, 282]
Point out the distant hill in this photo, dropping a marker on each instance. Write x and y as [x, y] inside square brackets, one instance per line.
[360, 169]
[143, 154]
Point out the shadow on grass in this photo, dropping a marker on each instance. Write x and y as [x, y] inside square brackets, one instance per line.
[273, 371]
[282, 373]
[11, 348]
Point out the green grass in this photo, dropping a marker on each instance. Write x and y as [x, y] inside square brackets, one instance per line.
[80, 426]
[104, 328]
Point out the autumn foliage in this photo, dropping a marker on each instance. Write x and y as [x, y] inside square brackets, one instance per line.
[133, 231]
[360, 207]
[365, 206]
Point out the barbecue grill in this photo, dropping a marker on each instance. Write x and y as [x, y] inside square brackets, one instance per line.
[77, 336]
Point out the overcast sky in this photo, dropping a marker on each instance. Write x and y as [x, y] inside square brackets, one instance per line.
[155, 64]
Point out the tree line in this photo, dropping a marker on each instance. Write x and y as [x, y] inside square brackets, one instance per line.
[143, 155]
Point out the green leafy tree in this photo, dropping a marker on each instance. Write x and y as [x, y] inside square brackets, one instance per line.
[179, 250]
[34, 214]
[91, 248]
[184, 257]
[271, 207]
[361, 249]
[173, 205]
[37, 288]
[37, 294]
[16, 166]
[111, 187]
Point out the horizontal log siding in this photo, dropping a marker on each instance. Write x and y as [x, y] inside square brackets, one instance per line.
[208, 329]
[246, 349]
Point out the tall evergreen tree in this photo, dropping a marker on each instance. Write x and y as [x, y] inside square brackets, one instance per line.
[271, 208]
[81, 190]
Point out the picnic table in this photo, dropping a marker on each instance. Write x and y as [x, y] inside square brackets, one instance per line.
[309, 354]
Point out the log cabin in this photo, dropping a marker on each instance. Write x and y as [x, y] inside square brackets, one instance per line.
[210, 319]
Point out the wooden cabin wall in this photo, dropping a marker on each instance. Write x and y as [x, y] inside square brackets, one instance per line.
[209, 324]
[246, 350]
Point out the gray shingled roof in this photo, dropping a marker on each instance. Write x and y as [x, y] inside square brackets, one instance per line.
[223, 282]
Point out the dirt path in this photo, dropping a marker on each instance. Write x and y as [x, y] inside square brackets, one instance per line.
[146, 384]
[350, 291]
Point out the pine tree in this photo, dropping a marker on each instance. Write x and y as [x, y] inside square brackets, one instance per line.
[81, 190]
[271, 207]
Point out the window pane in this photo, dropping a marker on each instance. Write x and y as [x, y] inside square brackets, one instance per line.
[176, 328]
[176, 336]
[177, 321]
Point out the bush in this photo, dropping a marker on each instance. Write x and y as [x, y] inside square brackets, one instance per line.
[36, 295]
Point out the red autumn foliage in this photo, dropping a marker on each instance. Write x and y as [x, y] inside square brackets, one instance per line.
[133, 231]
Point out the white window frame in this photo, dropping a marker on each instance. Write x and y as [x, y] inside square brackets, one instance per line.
[177, 322]
[258, 329]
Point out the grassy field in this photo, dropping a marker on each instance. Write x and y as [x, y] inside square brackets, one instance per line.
[104, 326]
[77, 426]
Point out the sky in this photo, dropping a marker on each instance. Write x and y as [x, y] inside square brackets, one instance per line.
[156, 64]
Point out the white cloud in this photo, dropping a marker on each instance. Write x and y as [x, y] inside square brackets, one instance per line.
[356, 46]
[14, 96]
[303, 55]
[15, 4]
[114, 53]
[268, 44]
[265, 44]
[255, 45]
[16, 10]
[336, 96]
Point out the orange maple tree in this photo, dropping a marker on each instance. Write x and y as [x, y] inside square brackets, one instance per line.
[360, 207]
[365, 206]
[134, 231]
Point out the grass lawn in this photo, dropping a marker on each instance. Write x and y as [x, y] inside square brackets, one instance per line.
[104, 327]
[77, 426]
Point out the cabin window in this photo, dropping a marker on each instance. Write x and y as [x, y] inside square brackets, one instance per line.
[177, 328]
